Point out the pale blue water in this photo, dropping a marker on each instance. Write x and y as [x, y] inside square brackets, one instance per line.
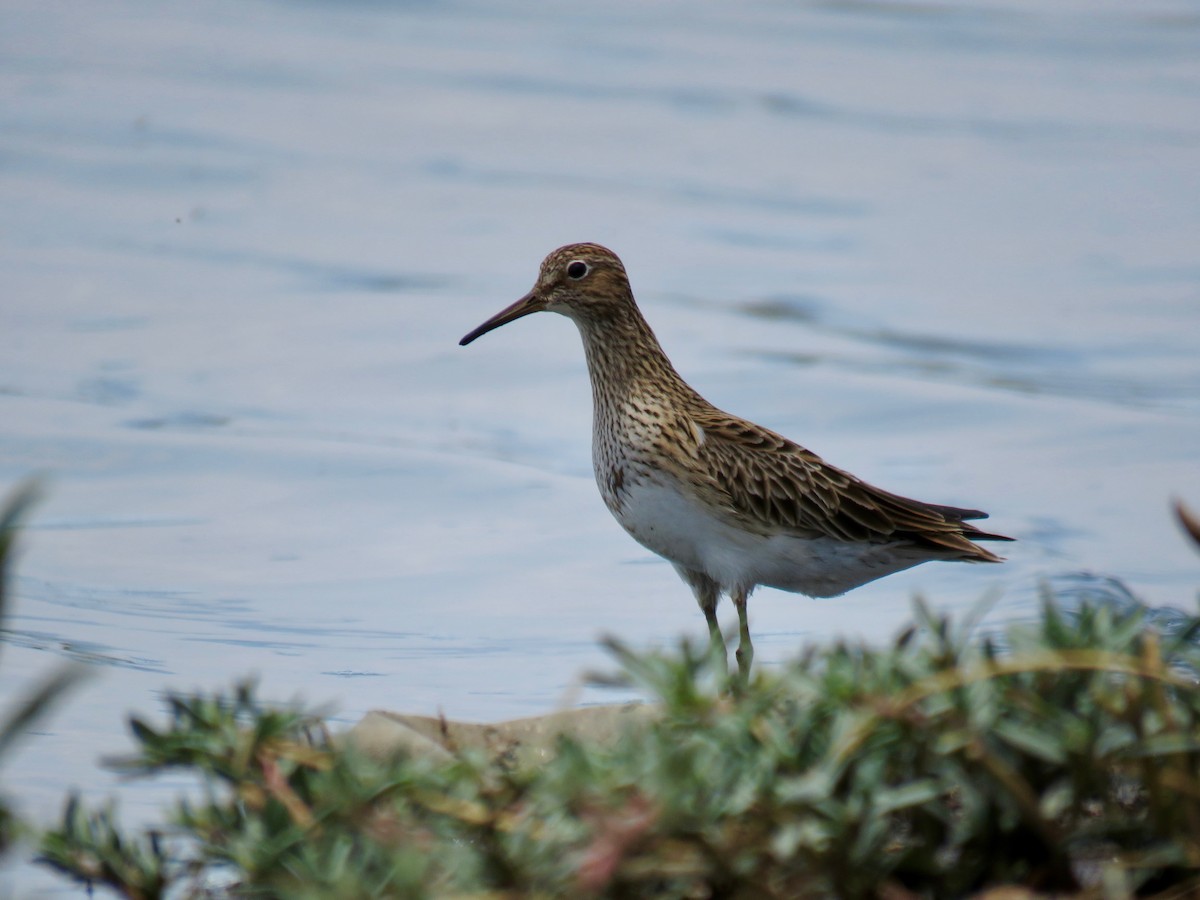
[951, 248]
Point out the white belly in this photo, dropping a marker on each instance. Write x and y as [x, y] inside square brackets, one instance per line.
[693, 536]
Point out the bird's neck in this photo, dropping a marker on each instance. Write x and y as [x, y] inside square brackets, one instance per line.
[625, 360]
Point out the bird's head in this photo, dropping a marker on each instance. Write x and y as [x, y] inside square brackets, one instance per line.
[585, 282]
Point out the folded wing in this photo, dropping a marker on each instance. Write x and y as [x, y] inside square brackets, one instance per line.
[763, 477]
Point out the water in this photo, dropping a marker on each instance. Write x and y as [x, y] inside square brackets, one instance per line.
[951, 248]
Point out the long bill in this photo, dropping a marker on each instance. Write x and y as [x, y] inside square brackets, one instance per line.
[530, 303]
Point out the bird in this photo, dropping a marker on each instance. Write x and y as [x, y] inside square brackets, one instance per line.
[730, 504]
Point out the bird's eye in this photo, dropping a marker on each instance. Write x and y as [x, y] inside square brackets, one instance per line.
[577, 269]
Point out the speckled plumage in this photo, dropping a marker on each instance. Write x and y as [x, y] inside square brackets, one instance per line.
[731, 504]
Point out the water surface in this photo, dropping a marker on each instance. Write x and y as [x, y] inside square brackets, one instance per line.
[951, 248]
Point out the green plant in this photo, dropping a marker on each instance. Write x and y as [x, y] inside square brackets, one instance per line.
[37, 702]
[936, 766]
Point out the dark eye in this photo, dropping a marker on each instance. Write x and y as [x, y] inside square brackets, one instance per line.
[577, 269]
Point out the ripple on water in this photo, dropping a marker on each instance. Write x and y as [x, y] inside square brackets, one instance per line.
[158, 603]
[90, 653]
[1022, 368]
[1070, 591]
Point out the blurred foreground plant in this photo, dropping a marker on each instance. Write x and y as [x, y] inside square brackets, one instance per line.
[28, 709]
[936, 767]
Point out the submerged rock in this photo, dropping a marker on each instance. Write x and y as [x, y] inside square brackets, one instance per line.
[381, 734]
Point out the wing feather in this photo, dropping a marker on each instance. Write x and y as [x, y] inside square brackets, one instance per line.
[760, 475]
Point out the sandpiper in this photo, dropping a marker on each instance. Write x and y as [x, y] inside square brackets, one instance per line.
[730, 504]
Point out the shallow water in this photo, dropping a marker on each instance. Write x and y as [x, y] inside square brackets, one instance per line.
[951, 249]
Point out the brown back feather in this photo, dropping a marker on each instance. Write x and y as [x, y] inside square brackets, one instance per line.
[763, 475]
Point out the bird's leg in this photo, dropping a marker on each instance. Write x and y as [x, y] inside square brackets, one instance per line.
[707, 597]
[745, 650]
[708, 592]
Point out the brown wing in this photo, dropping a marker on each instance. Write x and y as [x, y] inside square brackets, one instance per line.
[764, 476]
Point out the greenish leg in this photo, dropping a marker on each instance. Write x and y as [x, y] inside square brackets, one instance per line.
[708, 604]
[708, 592]
[745, 650]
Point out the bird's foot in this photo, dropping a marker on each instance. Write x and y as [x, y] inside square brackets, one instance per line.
[719, 657]
[745, 658]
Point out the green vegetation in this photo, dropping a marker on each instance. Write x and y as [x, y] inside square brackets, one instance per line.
[26, 711]
[1067, 762]
[935, 766]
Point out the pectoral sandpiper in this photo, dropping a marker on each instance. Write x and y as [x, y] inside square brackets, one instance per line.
[730, 504]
